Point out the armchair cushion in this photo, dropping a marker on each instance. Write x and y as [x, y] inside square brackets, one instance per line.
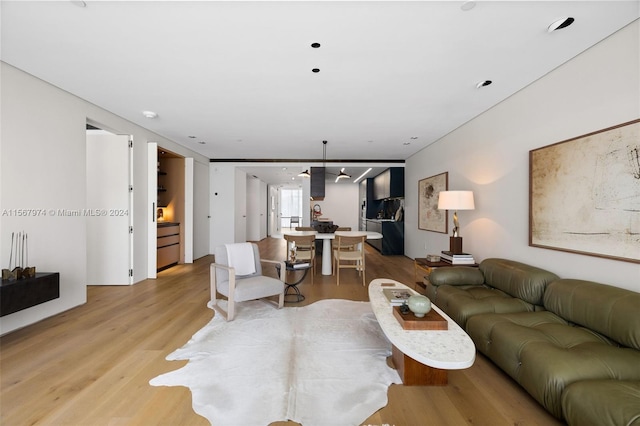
[237, 288]
[222, 274]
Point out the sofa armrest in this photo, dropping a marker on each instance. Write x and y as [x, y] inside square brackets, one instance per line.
[456, 275]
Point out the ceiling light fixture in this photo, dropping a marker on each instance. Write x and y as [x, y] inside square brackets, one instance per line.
[468, 5]
[315, 45]
[202, 142]
[483, 83]
[560, 24]
[342, 175]
[149, 114]
[316, 70]
[362, 175]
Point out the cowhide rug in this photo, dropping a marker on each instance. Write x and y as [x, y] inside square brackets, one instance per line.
[322, 364]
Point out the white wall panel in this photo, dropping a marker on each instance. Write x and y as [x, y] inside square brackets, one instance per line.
[490, 155]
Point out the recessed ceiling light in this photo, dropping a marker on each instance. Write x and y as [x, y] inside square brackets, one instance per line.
[191, 137]
[202, 142]
[468, 5]
[316, 70]
[483, 83]
[315, 45]
[149, 114]
[406, 143]
[414, 138]
[560, 24]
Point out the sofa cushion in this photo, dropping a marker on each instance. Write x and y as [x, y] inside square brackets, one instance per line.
[517, 279]
[462, 302]
[602, 402]
[456, 275]
[544, 353]
[611, 311]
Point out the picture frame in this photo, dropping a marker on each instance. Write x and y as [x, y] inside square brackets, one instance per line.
[429, 217]
[584, 194]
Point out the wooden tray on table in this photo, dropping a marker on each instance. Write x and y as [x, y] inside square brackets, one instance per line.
[432, 320]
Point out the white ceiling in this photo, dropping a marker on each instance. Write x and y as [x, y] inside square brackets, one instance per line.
[394, 76]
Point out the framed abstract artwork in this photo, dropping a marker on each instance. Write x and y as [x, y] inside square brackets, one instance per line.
[584, 194]
[429, 217]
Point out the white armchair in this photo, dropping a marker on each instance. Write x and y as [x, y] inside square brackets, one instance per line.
[240, 288]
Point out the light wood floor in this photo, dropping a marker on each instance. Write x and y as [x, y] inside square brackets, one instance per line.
[92, 364]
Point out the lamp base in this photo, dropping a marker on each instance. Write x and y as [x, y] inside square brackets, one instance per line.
[455, 245]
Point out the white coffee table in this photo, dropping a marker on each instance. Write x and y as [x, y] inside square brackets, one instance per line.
[422, 357]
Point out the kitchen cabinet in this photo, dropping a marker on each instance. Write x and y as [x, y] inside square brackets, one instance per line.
[392, 242]
[371, 205]
[389, 184]
[375, 226]
[168, 245]
[317, 183]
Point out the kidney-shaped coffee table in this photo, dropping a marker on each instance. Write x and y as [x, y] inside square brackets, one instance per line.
[422, 357]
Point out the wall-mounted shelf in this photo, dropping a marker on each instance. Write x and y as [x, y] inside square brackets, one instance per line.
[17, 295]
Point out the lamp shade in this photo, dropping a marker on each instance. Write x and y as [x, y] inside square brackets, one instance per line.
[456, 200]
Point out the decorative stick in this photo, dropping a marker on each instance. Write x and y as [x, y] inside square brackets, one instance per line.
[24, 236]
[11, 251]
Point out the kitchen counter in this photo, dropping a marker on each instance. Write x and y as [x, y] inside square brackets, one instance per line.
[392, 231]
[164, 224]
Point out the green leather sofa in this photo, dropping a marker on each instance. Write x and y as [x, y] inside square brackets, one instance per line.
[577, 352]
[498, 286]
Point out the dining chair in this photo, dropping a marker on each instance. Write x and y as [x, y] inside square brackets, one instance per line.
[306, 249]
[340, 228]
[349, 253]
[294, 219]
[237, 275]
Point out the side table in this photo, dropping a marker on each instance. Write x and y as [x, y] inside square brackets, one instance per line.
[422, 264]
[299, 266]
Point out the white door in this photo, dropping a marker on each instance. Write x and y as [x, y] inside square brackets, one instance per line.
[152, 204]
[201, 215]
[108, 212]
[240, 204]
[263, 210]
[188, 210]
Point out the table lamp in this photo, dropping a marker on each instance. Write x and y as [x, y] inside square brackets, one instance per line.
[455, 200]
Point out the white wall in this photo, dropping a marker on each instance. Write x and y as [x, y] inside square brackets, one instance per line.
[222, 196]
[253, 209]
[43, 166]
[201, 210]
[489, 155]
[340, 204]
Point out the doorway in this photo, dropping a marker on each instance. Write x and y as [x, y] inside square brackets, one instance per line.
[108, 213]
[290, 202]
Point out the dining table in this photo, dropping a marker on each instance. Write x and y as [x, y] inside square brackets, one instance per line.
[326, 238]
